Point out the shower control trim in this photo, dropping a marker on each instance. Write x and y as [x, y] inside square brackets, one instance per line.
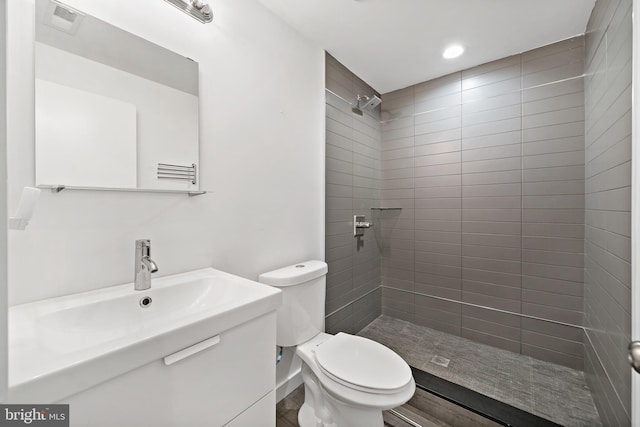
[359, 224]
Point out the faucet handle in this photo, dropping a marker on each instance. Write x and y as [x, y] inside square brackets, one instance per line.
[143, 248]
[143, 243]
[144, 265]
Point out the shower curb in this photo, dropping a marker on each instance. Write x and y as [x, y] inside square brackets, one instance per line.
[478, 403]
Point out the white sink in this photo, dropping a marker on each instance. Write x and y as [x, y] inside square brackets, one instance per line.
[60, 346]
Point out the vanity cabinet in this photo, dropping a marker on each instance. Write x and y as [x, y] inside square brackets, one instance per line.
[229, 383]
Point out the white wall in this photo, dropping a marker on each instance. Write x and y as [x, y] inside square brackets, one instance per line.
[262, 158]
[69, 152]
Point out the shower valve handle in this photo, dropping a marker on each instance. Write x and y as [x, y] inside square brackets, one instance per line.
[359, 224]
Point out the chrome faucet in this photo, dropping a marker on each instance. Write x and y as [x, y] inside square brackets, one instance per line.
[144, 265]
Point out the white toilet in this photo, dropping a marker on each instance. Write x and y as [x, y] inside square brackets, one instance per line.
[348, 380]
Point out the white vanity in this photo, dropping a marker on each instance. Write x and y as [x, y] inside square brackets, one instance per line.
[197, 349]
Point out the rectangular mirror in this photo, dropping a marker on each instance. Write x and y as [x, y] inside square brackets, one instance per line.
[113, 110]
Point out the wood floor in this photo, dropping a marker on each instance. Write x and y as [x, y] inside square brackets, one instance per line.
[424, 409]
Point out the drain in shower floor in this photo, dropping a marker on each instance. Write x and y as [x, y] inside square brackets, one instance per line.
[441, 361]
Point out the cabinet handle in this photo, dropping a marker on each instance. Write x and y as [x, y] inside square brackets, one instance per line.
[190, 351]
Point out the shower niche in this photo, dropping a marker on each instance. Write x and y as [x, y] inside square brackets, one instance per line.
[112, 110]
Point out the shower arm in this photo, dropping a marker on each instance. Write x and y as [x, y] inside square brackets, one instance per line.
[360, 98]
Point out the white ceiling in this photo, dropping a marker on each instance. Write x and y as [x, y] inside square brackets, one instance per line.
[393, 44]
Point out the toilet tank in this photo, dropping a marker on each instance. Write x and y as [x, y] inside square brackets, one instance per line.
[301, 315]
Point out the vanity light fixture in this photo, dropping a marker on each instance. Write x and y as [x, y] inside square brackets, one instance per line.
[453, 51]
[197, 9]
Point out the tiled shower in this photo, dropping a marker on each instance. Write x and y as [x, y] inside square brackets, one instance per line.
[489, 171]
[511, 188]
[353, 178]
[607, 280]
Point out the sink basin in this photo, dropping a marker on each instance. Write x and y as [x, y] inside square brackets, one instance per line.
[94, 322]
[60, 346]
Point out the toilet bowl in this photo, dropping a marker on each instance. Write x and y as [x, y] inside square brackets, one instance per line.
[349, 380]
[355, 380]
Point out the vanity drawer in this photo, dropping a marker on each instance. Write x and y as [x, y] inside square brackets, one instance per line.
[262, 413]
[208, 388]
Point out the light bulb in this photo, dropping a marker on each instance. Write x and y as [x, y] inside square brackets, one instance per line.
[453, 51]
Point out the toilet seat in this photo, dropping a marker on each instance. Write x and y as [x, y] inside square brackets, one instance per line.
[362, 364]
[347, 393]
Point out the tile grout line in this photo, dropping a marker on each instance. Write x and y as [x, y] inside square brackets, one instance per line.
[528, 316]
[585, 329]
[521, 196]
[467, 102]
[483, 99]
[461, 204]
[353, 302]
[413, 238]
[605, 372]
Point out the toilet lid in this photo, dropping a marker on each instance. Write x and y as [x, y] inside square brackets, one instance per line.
[361, 363]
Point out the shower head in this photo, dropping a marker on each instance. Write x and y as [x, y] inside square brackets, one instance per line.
[369, 103]
[372, 103]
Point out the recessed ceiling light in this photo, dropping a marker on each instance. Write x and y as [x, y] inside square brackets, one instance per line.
[453, 51]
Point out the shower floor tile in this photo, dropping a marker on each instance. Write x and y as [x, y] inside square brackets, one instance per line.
[554, 392]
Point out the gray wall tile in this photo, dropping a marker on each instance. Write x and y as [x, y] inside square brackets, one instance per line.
[490, 339]
[493, 252]
[499, 241]
[491, 177]
[559, 173]
[497, 175]
[556, 102]
[553, 356]
[438, 115]
[489, 289]
[500, 152]
[493, 277]
[353, 163]
[512, 305]
[568, 216]
[551, 313]
[507, 215]
[508, 164]
[504, 202]
[492, 89]
[553, 299]
[495, 140]
[490, 67]
[450, 84]
[496, 71]
[443, 169]
[551, 329]
[437, 170]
